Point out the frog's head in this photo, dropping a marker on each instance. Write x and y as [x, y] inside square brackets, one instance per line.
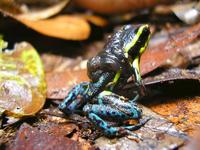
[135, 39]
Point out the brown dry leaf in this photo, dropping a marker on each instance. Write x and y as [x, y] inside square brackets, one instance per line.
[59, 83]
[57, 63]
[32, 138]
[44, 13]
[96, 20]
[159, 55]
[9, 6]
[64, 27]
[172, 75]
[63, 73]
[36, 11]
[117, 6]
[184, 112]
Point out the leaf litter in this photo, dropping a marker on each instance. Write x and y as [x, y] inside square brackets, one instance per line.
[174, 118]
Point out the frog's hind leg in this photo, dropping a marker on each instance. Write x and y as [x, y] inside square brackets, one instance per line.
[111, 107]
[119, 103]
[112, 131]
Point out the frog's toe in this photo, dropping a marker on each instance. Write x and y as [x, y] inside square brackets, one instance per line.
[136, 112]
[62, 106]
[103, 125]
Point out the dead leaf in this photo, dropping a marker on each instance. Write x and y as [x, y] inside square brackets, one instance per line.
[96, 20]
[58, 63]
[41, 9]
[59, 83]
[117, 6]
[65, 27]
[31, 138]
[57, 129]
[172, 75]
[10, 6]
[22, 85]
[44, 13]
[183, 112]
[158, 56]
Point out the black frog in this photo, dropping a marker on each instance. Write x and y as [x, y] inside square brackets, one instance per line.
[108, 71]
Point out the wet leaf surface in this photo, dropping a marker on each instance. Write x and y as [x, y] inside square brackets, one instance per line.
[22, 85]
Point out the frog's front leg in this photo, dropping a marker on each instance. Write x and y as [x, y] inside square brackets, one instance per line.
[138, 79]
[75, 99]
[82, 93]
[112, 107]
[95, 88]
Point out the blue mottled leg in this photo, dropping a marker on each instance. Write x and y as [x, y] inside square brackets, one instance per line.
[114, 131]
[109, 113]
[84, 91]
[120, 103]
[72, 101]
[98, 114]
[103, 125]
[111, 107]
[97, 87]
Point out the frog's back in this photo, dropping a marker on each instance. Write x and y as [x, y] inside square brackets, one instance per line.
[114, 52]
[111, 58]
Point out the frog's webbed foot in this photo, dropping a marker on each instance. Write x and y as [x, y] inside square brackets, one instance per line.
[127, 129]
[75, 99]
[139, 92]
